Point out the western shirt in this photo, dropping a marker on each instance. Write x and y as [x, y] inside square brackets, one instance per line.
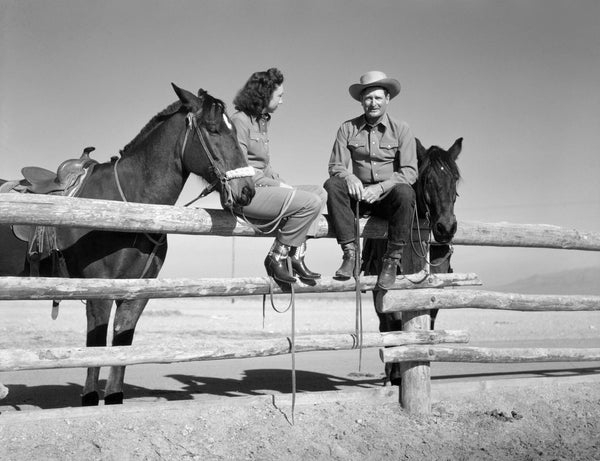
[383, 154]
[253, 138]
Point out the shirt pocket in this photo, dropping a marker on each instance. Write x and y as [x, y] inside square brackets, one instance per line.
[358, 147]
[258, 142]
[388, 149]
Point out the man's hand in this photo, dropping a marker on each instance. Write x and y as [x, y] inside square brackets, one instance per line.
[355, 187]
[372, 193]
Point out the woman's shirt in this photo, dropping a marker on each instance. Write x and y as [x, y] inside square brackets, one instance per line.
[254, 140]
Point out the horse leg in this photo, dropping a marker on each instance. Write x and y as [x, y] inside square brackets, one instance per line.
[98, 315]
[127, 315]
[440, 260]
[373, 250]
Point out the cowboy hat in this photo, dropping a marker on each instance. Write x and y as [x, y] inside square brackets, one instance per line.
[375, 78]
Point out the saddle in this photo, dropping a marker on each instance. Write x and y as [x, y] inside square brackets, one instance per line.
[68, 176]
[42, 242]
[66, 181]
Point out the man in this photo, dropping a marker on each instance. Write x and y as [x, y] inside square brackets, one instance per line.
[373, 162]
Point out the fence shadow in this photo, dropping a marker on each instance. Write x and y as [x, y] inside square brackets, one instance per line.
[253, 382]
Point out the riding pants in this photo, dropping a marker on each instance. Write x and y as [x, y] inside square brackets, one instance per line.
[299, 208]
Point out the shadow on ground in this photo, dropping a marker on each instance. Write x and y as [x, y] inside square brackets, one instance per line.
[254, 382]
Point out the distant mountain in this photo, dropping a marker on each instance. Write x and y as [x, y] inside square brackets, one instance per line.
[585, 281]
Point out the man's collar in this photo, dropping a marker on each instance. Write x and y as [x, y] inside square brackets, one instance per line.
[384, 121]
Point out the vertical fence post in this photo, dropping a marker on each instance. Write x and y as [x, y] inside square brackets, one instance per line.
[415, 390]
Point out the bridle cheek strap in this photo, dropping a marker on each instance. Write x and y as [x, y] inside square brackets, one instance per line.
[222, 178]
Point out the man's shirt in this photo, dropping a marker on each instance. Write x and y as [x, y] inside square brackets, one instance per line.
[383, 154]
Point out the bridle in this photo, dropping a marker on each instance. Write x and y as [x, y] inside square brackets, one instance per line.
[424, 253]
[221, 177]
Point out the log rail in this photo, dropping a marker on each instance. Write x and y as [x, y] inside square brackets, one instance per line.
[414, 295]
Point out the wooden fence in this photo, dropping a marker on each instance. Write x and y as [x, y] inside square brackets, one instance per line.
[414, 295]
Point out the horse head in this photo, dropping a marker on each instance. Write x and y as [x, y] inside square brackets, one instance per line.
[436, 188]
[221, 161]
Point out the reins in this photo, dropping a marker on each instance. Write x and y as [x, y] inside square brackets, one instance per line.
[358, 324]
[223, 178]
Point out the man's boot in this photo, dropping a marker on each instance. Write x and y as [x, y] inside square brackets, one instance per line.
[389, 267]
[276, 263]
[346, 270]
[299, 266]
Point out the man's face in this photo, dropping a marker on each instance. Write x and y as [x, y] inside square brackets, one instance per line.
[276, 99]
[374, 102]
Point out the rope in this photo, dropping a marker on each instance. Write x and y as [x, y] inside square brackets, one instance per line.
[358, 326]
[272, 225]
[292, 339]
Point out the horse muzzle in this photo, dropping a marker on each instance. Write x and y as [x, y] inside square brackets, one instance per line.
[444, 230]
[237, 192]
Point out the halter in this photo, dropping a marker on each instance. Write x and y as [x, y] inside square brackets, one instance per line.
[222, 178]
[424, 254]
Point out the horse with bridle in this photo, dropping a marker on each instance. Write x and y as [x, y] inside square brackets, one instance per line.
[192, 135]
[436, 192]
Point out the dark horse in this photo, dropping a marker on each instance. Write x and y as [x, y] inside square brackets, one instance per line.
[436, 193]
[192, 135]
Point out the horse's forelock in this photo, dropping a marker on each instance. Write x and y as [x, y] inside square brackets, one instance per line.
[437, 159]
[213, 110]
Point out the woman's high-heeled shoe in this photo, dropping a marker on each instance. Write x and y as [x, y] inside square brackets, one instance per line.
[299, 266]
[276, 263]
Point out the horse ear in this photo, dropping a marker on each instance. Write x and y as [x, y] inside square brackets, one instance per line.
[456, 148]
[189, 100]
[421, 151]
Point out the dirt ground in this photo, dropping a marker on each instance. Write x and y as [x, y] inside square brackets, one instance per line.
[554, 418]
[547, 420]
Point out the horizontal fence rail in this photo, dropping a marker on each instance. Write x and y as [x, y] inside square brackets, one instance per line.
[38, 288]
[427, 299]
[135, 217]
[487, 355]
[415, 347]
[195, 350]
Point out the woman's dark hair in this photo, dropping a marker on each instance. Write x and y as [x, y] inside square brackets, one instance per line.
[255, 95]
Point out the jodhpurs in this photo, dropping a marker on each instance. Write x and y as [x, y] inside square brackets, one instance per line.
[298, 219]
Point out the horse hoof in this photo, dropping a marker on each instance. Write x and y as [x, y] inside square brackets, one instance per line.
[90, 399]
[114, 399]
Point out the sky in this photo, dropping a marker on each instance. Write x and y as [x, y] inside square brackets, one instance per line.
[517, 79]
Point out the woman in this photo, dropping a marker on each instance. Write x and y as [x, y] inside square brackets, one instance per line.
[293, 209]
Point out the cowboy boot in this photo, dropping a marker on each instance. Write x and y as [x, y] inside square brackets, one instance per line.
[389, 267]
[299, 266]
[276, 263]
[347, 268]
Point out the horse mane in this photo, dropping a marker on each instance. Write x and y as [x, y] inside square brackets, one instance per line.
[210, 116]
[152, 124]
